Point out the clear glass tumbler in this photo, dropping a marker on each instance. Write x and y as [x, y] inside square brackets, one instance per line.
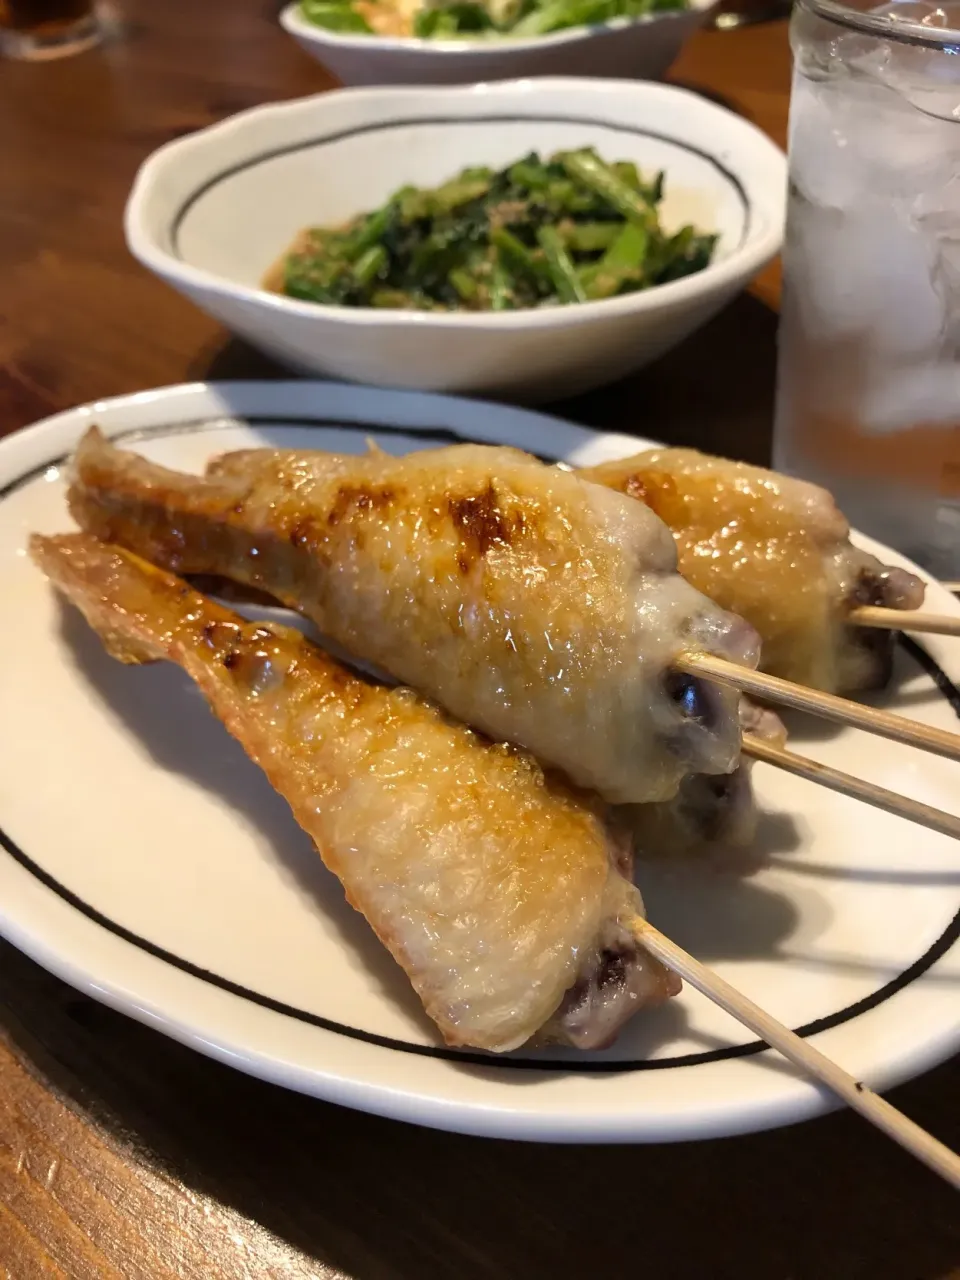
[868, 394]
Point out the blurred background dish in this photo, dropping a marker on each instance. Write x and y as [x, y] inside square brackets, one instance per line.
[641, 47]
[211, 213]
[473, 19]
[40, 30]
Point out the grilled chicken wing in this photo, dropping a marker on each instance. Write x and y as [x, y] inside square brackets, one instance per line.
[777, 551]
[499, 892]
[540, 609]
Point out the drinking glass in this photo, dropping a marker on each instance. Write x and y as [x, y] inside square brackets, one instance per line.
[868, 394]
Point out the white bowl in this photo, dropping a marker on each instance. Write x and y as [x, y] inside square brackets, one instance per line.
[637, 47]
[211, 213]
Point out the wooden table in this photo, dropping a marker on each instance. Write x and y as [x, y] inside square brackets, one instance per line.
[123, 1154]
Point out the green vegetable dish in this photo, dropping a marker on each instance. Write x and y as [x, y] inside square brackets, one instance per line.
[539, 233]
[473, 19]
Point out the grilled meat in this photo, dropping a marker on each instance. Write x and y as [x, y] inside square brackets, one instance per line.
[501, 893]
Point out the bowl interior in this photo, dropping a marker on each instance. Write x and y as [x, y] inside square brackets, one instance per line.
[239, 222]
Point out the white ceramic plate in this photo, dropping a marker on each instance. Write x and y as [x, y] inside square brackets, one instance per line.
[147, 862]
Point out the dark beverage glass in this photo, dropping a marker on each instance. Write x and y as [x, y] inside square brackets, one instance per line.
[37, 29]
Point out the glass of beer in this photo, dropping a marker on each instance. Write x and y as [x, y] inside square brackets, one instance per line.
[37, 29]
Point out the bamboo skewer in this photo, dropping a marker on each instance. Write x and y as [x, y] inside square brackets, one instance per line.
[943, 624]
[802, 1054]
[828, 705]
[952, 586]
[846, 784]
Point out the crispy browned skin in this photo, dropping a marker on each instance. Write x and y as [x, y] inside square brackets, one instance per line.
[778, 552]
[545, 611]
[498, 890]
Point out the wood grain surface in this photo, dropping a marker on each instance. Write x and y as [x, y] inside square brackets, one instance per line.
[123, 1154]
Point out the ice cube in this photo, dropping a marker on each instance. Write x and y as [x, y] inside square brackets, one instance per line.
[867, 271]
[823, 166]
[856, 137]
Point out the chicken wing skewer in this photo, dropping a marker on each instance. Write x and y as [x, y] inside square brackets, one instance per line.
[502, 938]
[776, 551]
[500, 893]
[538, 608]
[302, 473]
[531, 609]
